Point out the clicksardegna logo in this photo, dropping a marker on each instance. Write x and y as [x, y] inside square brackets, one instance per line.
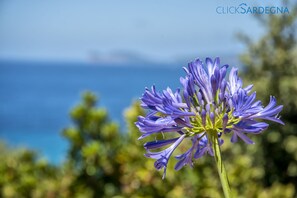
[243, 8]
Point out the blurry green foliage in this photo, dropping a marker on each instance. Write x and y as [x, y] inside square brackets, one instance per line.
[271, 65]
[94, 145]
[24, 175]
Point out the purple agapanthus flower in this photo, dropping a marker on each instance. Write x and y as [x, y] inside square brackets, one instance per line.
[209, 103]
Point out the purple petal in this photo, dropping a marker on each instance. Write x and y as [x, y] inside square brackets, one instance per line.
[242, 136]
[158, 143]
[162, 157]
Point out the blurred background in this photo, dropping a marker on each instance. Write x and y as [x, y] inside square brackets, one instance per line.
[71, 73]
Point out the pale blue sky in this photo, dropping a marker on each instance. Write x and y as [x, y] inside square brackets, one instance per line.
[161, 30]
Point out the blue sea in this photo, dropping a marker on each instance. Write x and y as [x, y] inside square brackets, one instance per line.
[36, 97]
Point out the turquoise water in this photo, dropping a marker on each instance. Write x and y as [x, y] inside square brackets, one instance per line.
[35, 98]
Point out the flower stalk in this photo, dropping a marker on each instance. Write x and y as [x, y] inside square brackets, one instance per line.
[220, 165]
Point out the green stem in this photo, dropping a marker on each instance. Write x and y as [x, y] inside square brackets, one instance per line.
[220, 165]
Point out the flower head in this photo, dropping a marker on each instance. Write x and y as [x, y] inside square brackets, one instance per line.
[209, 104]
